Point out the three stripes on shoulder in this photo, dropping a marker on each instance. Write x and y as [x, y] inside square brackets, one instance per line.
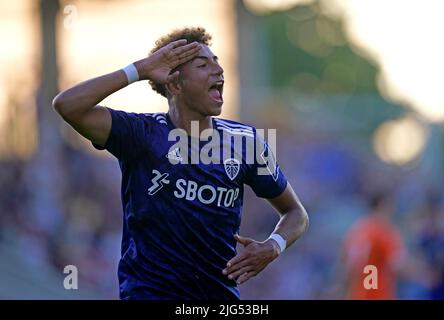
[159, 116]
[234, 128]
[221, 124]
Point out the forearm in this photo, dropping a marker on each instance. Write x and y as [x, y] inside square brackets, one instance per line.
[292, 224]
[85, 95]
[257, 255]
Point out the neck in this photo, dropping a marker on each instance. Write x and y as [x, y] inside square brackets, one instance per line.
[181, 116]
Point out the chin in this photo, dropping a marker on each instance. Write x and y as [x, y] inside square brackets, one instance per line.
[215, 110]
[211, 108]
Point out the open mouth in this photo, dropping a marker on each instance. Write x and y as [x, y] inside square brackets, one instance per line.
[216, 90]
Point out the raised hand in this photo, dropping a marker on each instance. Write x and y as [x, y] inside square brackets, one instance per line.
[158, 65]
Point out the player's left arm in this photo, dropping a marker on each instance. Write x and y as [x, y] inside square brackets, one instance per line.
[257, 255]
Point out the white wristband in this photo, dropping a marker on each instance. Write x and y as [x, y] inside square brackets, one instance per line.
[281, 241]
[131, 73]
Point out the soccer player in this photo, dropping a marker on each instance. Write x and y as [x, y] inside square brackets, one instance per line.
[181, 220]
[373, 241]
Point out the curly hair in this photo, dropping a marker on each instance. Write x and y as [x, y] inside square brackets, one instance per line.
[190, 34]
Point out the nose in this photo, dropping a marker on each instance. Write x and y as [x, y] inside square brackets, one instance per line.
[218, 70]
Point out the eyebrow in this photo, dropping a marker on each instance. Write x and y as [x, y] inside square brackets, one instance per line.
[205, 58]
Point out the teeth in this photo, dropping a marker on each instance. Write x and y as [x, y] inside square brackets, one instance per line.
[218, 85]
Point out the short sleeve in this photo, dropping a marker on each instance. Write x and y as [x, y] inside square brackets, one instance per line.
[128, 136]
[265, 176]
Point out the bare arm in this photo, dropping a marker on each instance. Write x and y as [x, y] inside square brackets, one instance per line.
[294, 219]
[78, 105]
[257, 255]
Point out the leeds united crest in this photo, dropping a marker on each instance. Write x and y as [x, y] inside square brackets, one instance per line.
[232, 167]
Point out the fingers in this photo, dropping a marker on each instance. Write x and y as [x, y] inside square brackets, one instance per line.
[250, 262]
[237, 259]
[245, 277]
[232, 267]
[240, 271]
[243, 240]
[184, 53]
[194, 46]
[177, 43]
[240, 257]
[184, 57]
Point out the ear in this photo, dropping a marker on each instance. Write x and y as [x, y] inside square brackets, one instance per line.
[173, 88]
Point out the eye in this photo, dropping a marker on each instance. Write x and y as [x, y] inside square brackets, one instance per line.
[202, 65]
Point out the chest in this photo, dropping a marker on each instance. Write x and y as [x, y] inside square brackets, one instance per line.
[190, 175]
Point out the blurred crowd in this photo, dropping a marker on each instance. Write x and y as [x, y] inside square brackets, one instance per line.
[83, 228]
[334, 180]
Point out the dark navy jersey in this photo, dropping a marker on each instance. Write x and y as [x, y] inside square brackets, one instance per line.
[180, 218]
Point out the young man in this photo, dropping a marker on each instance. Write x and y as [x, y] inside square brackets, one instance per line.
[181, 220]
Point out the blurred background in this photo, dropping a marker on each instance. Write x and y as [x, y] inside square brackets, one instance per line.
[353, 87]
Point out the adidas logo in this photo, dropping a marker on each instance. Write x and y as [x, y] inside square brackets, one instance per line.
[175, 155]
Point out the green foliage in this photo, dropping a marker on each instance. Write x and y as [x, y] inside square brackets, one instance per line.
[309, 52]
